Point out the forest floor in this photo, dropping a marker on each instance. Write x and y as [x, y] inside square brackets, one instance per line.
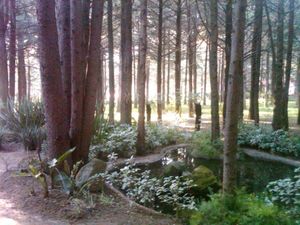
[22, 202]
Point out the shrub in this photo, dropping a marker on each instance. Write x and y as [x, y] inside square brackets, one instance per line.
[243, 209]
[280, 141]
[121, 140]
[286, 191]
[158, 135]
[25, 122]
[141, 187]
[202, 146]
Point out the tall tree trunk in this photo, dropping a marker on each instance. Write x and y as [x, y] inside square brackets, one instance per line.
[111, 61]
[78, 52]
[178, 58]
[164, 71]
[288, 65]
[190, 50]
[298, 89]
[213, 70]
[228, 30]
[142, 78]
[273, 51]
[159, 61]
[147, 81]
[255, 62]
[205, 74]
[52, 88]
[186, 73]
[126, 61]
[64, 41]
[222, 70]
[3, 54]
[277, 122]
[234, 98]
[169, 68]
[134, 83]
[92, 79]
[21, 69]
[12, 50]
[195, 65]
[28, 80]
[85, 23]
[267, 94]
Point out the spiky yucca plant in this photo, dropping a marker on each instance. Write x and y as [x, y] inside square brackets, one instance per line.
[25, 121]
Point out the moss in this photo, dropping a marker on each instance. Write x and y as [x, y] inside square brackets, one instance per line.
[203, 178]
[175, 168]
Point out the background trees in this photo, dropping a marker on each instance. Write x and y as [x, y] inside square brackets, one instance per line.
[188, 58]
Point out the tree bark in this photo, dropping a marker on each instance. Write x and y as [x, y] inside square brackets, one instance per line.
[228, 31]
[52, 89]
[164, 71]
[178, 58]
[77, 73]
[28, 80]
[92, 79]
[3, 54]
[205, 74]
[126, 61]
[186, 73]
[288, 64]
[255, 62]
[195, 65]
[134, 82]
[142, 78]
[169, 68]
[21, 69]
[64, 42]
[191, 61]
[111, 61]
[267, 101]
[298, 89]
[159, 62]
[12, 50]
[213, 70]
[277, 122]
[234, 98]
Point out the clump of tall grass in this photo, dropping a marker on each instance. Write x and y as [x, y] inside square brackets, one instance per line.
[25, 122]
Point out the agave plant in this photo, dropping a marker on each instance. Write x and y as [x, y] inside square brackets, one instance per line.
[25, 121]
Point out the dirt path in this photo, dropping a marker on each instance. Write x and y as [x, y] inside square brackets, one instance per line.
[10, 157]
[21, 201]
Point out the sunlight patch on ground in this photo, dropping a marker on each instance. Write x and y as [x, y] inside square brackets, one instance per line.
[8, 221]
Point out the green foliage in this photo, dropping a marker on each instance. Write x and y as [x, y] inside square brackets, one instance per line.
[101, 130]
[203, 147]
[141, 187]
[121, 139]
[158, 135]
[41, 169]
[25, 122]
[242, 209]
[279, 142]
[286, 191]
